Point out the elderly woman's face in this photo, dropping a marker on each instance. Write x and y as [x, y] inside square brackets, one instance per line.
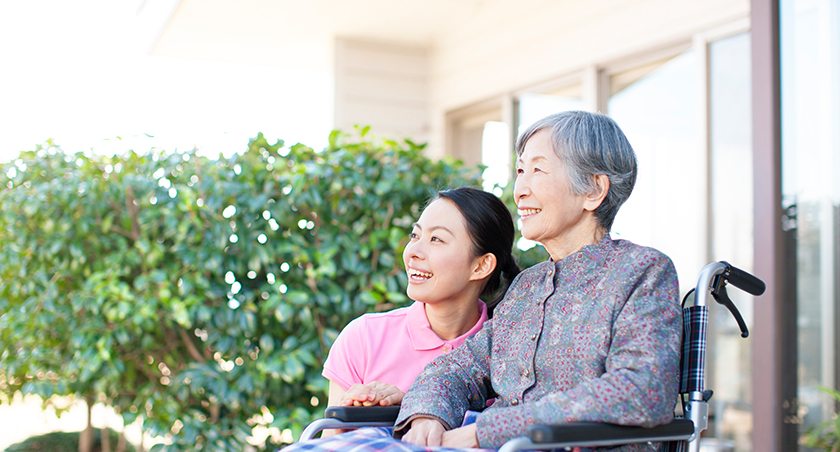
[549, 212]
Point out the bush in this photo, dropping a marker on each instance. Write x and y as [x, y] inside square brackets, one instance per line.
[200, 294]
[824, 436]
[65, 442]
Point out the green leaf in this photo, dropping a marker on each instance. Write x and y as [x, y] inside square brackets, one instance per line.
[297, 297]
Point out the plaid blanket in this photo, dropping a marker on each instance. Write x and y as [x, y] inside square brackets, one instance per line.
[368, 439]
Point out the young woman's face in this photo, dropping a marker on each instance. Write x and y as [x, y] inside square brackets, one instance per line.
[439, 260]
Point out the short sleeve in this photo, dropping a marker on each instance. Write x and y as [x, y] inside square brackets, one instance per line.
[347, 359]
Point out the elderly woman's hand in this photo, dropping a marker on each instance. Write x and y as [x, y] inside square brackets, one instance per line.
[425, 432]
[461, 437]
[372, 394]
[430, 432]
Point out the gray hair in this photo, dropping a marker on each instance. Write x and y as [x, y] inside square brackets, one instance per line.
[590, 144]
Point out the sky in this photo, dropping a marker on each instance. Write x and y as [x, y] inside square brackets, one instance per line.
[80, 73]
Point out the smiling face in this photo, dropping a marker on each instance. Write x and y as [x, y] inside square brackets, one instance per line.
[550, 213]
[439, 259]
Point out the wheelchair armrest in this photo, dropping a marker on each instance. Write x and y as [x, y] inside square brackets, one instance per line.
[363, 413]
[350, 417]
[615, 434]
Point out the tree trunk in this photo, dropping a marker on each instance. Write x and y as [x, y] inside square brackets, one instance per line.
[121, 442]
[106, 439]
[86, 437]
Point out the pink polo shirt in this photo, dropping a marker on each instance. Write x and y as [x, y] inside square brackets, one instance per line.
[390, 347]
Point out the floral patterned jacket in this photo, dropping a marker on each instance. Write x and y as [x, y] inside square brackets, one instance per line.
[593, 337]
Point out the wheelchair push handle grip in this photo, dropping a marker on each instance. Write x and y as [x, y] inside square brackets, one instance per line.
[743, 280]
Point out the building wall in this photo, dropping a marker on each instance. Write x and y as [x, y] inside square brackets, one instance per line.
[384, 86]
[504, 49]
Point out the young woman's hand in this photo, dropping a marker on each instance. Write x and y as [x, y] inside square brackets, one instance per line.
[372, 394]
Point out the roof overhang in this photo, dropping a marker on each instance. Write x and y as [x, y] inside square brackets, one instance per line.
[301, 34]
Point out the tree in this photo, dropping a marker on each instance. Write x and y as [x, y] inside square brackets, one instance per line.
[200, 294]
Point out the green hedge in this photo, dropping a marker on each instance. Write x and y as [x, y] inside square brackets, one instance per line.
[201, 294]
[65, 442]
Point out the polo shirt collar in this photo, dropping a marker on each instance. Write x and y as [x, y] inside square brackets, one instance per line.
[421, 334]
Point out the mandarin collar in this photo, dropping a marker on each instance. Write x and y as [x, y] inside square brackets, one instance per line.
[583, 254]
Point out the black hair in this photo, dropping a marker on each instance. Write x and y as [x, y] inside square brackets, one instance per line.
[490, 227]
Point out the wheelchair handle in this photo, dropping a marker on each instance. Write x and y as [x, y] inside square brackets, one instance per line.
[722, 297]
[743, 280]
[712, 282]
[704, 283]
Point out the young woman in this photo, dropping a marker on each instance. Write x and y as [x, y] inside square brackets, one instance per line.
[459, 250]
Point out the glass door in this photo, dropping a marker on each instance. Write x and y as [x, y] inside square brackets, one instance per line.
[810, 65]
[731, 190]
[657, 106]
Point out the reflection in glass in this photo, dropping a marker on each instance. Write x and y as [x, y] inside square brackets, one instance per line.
[731, 233]
[810, 42]
[535, 106]
[465, 134]
[496, 156]
[531, 108]
[659, 114]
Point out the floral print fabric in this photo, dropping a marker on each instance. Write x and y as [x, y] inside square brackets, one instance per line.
[593, 337]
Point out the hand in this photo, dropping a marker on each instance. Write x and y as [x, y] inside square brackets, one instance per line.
[371, 394]
[461, 437]
[425, 432]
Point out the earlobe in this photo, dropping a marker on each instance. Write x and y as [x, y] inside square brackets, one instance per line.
[483, 266]
[597, 195]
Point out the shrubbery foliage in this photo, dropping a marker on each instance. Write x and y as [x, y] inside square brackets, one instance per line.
[202, 294]
[65, 442]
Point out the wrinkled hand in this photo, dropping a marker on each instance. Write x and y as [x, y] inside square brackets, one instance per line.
[425, 432]
[461, 437]
[430, 432]
[372, 394]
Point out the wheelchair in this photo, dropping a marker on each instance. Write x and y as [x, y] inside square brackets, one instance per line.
[682, 434]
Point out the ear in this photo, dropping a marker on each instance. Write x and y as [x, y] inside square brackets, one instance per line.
[483, 266]
[598, 194]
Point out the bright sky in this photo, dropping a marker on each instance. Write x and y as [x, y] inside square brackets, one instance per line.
[79, 72]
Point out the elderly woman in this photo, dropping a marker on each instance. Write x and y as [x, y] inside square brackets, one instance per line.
[593, 334]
